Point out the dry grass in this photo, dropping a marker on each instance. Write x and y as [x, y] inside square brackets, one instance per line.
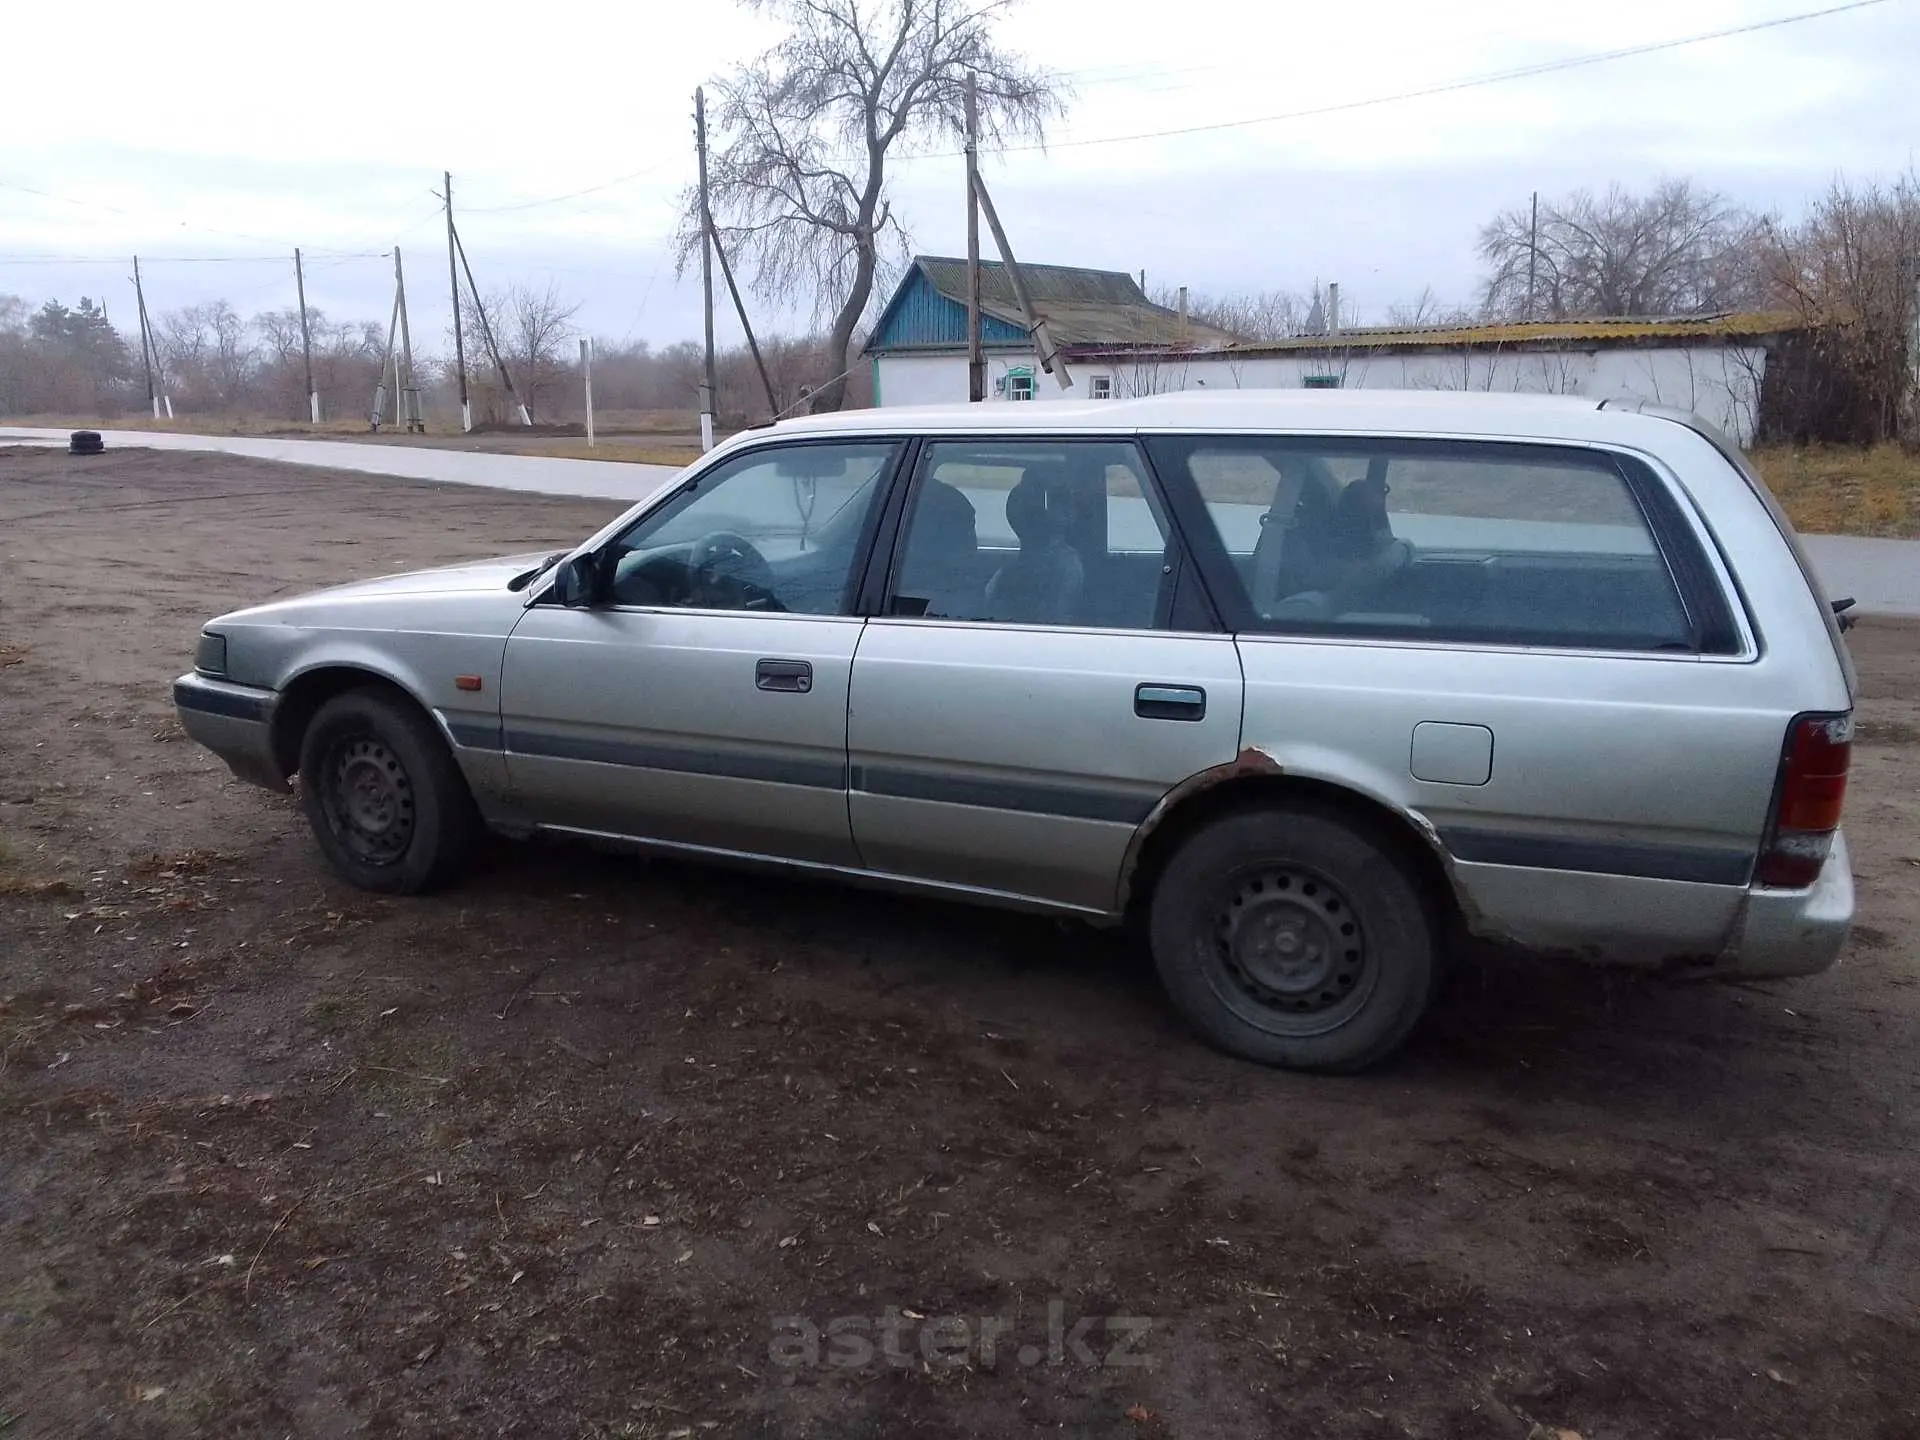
[1846, 490]
[628, 451]
[345, 428]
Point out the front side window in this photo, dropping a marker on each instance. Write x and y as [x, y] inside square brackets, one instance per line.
[1062, 532]
[1442, 540]
[775, 529]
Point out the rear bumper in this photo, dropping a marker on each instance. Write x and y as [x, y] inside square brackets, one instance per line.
[1796, 932]
[233, 721]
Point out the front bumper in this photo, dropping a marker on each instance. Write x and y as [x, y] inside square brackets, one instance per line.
[233, 721]
[1796, 932]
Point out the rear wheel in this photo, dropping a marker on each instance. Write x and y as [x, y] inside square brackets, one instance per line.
[1294, 937]
[386, 802]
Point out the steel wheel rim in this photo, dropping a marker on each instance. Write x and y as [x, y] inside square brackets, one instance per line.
[367, 797]
[1288, 951]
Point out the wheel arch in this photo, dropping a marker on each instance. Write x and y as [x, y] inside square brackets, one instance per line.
[302, 696]
[1255, 780]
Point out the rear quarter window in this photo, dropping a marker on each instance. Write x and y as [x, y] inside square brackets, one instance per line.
[1432, 540]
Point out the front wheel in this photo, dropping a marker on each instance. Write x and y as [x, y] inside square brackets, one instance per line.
[388, 805]
[1292, 937]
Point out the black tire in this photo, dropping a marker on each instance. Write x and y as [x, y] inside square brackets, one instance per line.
[1294, 937]
[388, 805]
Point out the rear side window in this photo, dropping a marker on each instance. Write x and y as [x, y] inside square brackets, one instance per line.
[1428, 540]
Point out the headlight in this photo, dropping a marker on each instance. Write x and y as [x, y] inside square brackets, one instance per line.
[210, 656]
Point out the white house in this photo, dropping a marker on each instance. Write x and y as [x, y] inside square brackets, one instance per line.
[1117, 343]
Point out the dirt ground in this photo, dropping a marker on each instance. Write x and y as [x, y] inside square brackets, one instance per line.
[594, 1147]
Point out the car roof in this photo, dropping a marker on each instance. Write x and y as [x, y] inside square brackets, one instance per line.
[1453, 411]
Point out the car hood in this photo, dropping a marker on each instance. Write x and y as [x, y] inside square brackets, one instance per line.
[466, 578]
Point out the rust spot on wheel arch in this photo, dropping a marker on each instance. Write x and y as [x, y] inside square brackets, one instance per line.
[1250, 761]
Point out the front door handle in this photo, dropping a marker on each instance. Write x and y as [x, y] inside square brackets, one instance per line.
[793, 676]
[1170, 702]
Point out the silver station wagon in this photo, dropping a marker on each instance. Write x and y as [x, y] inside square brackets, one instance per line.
[1304, 685]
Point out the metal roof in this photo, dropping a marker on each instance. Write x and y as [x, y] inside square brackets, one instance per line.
[1556, 334]
[1104, 308]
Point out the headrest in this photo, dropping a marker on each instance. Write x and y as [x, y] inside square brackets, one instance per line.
[944, 521]
[1037, 505]
[1360, 518]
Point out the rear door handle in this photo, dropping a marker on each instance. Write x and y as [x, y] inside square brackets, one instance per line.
[1170, 702]
[793, 676]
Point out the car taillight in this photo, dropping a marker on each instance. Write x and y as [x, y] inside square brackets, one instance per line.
[1806, 807]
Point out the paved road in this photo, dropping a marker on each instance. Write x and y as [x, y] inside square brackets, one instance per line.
[1883, 575]
[541, 474]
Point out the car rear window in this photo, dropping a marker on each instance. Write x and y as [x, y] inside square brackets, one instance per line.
[1431, 540]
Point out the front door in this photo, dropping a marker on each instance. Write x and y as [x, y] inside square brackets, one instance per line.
[703, 700]
[1025, 699]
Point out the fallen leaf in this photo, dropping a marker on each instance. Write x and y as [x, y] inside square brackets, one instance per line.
[683, 1257]
[150, 1393]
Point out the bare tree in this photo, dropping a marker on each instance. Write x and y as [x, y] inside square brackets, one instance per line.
[1252, 315]
[1426, 309]
[205, 350]
[1850, 271]
[1677, 250]
[807, 130]
[533, 329]
[536, 326]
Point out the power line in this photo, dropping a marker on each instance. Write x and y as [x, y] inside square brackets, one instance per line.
[1500, 77]
[333, 257]
[134, 215]
[570, 195]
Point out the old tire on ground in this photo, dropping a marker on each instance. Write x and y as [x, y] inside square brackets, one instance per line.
[1294, 937]
[388, 805]
[86, 442]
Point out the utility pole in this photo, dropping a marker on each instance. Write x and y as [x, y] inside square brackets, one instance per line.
[1533, 252]
[146, 347]
[740, 309]
[306, 338]
[410, 417]
[486, 334]
[1043, 345]
[976, 356]
[706, 266]
[389, 365]
[586, 374]
[453, 288]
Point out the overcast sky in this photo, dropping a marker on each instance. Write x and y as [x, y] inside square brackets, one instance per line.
[228, 128]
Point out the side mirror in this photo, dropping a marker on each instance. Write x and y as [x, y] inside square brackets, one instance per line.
[576, 584]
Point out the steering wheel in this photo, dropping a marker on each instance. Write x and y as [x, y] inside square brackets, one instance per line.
[724, 569]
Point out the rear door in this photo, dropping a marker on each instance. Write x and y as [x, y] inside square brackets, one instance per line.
[1042, 671]
[1526, 644]
[704, 701]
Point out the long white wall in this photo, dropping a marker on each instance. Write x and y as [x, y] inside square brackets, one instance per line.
[1720, 383]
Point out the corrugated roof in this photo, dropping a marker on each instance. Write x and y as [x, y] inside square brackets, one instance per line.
[1082, 307]
[1623, 330]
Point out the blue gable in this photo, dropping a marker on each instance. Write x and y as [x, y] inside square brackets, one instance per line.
[919, 315]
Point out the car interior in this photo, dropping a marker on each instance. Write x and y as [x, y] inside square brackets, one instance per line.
[1333, 554]
[1047, 557]
[782, 537]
